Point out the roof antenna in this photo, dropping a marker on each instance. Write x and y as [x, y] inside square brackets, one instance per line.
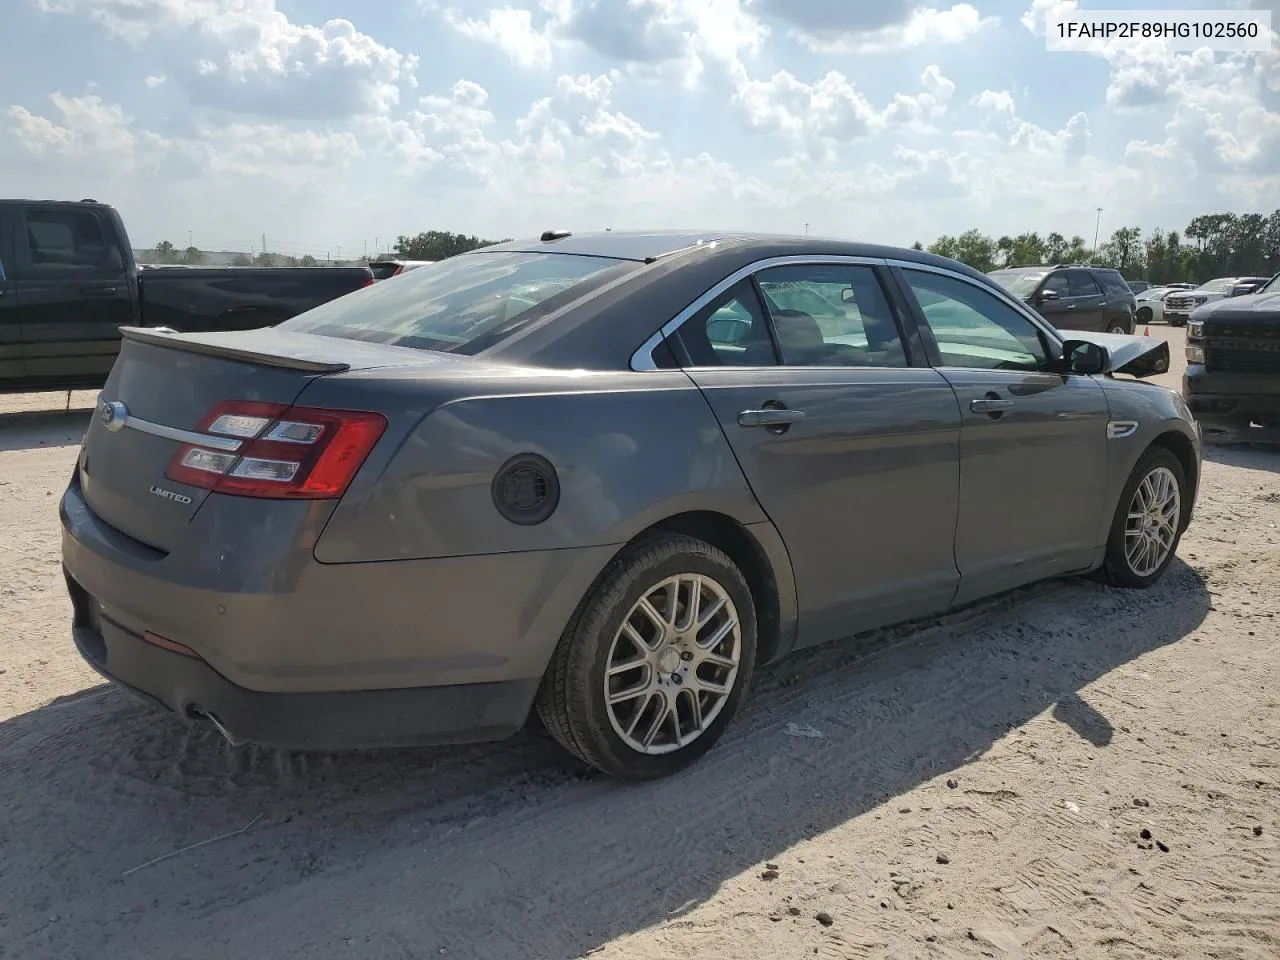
[549, 235]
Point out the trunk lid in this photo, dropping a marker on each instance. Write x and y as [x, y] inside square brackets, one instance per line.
[164, 386]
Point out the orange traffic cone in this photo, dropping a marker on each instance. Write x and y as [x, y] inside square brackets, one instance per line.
[1146, 331]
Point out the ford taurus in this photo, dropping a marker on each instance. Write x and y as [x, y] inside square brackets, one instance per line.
[600, 477]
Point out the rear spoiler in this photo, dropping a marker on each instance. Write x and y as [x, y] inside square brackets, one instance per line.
[191, 343]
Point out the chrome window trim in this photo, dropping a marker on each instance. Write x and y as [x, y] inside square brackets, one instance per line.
[642, 360]
[1036, 320]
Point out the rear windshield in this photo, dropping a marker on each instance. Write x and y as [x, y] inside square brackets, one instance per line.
[464, 304]
[1020, 283]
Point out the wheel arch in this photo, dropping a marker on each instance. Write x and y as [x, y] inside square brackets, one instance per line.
[1181, 446]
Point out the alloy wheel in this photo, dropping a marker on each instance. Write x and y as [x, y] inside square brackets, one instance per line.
[1152, 525]
[672, 664]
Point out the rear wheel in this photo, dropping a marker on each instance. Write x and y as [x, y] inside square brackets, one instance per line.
[653, 665]
[1144, 315]
[1148, 521]
[1119, 326]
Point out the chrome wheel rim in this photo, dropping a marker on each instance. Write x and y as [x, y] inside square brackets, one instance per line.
[1118, 329]
[1152, 524]
[673, 664]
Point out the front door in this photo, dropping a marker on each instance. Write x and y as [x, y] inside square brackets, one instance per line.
[1033, 450]
[72, 292]
[851, 452]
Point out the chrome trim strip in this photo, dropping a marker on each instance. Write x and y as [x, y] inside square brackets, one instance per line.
[182, 436]
[1120, 429]
[994, 289]
[123, 419]
[642, 359]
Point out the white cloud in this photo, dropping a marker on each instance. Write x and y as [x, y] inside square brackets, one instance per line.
[248, 56]
[511, 31]
[925, 25]
[997, 101]
[659, 39]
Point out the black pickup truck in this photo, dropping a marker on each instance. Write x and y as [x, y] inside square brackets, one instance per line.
[68, 282]
[1232, 383]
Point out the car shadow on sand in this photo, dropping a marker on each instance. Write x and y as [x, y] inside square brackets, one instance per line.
[505, 850]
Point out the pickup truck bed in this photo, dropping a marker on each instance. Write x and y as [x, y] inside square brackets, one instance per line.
[68, 283]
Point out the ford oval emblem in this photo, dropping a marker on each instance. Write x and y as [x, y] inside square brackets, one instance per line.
[113, 415]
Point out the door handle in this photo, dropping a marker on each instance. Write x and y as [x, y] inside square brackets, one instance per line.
[769, 418]
[1071, 306]
[98, 291]
[990, 405]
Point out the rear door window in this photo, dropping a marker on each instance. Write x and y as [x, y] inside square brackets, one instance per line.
[67, 240]
[730, 331]
[1082, 285]
[831, 315]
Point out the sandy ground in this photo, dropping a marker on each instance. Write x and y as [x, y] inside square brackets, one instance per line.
[1069, 771]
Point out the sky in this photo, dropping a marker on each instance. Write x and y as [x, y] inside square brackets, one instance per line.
[331, 126]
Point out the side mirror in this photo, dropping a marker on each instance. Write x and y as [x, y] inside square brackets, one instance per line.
[1046, 295]
[1081, 356]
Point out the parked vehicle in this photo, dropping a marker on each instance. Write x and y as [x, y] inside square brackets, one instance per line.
[1150, 305]
[1232, 382]
[1138, 286]
[603, 476]
[386, 269]
[68, 283]
[1247, 285]
[1074, 297]
[1178, 307]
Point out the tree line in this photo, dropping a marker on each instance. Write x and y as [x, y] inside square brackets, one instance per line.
[1212, 245]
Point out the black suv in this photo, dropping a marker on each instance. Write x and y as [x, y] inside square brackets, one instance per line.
[1073, 296]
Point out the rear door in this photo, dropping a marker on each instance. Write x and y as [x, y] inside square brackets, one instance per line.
[850, 448]
[72, 291]
[1086, 306]
[1033, 449]
[11, 363]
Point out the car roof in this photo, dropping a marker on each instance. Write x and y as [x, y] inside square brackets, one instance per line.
[653, 245]
[664, 273]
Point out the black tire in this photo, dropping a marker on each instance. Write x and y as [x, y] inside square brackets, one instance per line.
[571, 699]
[1144, 315]
[1116, 568]
[1179, 322]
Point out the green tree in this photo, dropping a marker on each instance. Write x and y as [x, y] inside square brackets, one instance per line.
[1024, 250]
[166, 252]
[437, 245]
[193, 257]
[241, 260]
[1124, 251]
[307, 261]
[973, 247]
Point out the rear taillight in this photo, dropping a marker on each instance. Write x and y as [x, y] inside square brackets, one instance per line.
[296, 453]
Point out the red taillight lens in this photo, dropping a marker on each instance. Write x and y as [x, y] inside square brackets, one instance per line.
[295, 453]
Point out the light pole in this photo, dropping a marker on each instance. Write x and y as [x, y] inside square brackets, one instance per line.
[1097, 223]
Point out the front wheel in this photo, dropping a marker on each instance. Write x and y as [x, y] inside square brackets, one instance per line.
[1148, 522]
[1144, 315]
[655, 661]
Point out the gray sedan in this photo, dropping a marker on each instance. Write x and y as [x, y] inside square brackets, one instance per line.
[601, 478]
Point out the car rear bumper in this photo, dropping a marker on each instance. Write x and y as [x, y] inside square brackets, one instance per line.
[320, 656]
[1239, 405]
[343, 720]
